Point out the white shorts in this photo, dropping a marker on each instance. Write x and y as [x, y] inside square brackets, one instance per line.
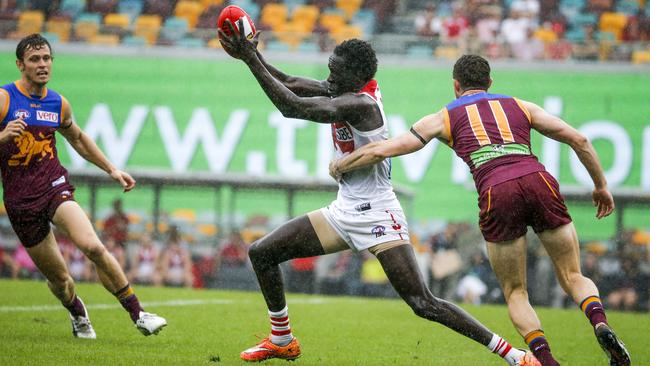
[365, 229]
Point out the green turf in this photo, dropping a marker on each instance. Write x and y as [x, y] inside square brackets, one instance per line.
[332, 330]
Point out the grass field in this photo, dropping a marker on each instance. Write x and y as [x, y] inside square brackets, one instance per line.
[211, 328]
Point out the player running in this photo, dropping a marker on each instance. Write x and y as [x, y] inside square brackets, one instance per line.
[366, 213]
[491, 133]
[37, 191]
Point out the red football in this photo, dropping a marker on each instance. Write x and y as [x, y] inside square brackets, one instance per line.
[234, 13]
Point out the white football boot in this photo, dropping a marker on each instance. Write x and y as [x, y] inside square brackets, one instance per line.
[149, 323]
[81, 327]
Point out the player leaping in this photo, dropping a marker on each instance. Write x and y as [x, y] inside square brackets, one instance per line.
[491, 133]
[366, 213]
[36, 188]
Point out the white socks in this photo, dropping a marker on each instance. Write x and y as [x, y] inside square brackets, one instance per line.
[502, 348]
[280, 329]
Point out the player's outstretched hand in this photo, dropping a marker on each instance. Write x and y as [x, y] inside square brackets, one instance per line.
[14, 129]
[603, 201]
[124, 178]
[237, 43]
[334, 170]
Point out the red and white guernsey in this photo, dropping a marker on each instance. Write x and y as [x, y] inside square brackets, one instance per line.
[370, 186]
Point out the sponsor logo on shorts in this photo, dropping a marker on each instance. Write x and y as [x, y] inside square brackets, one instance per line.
[378, 230]
[363, 206]
[47, 116]
[22, 114]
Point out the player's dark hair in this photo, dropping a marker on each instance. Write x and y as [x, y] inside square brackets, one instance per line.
[34, 41]
[472, 72]
[359, 57]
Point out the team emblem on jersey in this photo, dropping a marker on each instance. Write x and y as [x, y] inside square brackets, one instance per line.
[22, 114]
[342, 136]
[28, 147]
[378, 231]
[47, 116]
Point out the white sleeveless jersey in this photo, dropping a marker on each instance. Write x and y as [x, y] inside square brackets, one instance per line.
[368, 188]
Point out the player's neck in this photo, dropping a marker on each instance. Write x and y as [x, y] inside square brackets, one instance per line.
[472, 91]
[32, 88]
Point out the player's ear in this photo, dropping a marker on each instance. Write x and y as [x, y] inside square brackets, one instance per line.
[20, 65]
[489, 84]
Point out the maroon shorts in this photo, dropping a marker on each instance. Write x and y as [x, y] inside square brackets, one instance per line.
[32, 223]
[508, 208]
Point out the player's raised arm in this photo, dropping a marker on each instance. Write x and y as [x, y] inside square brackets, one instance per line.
[317, 109]
[301, 86]
[89, 150]
[426, 129]
[557, 129]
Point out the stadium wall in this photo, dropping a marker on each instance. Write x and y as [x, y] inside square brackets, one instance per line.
[208, 114]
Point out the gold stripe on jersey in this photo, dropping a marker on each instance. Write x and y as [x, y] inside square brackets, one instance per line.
[445, 118]
[477, 125]
[5, 108]
[502, 121]
[523, 109]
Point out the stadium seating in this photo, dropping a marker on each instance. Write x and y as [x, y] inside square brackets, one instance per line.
[346, 32]
[61, 27]
[72, 8]
[419, 51]
[614, 23]
[51, 37]
[305, 16]
[131, 8]
[134, 41]
[148, 27]
[174, 29]
[641, 57]
[191, 43]
[116, 22]
[273, 15]
[189, 10]
[332, 20]
[349, 7]
[105, 39]
[86, 26]
[30, 22]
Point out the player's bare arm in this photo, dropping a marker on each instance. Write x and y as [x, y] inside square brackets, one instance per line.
[557, 129]
[350, 107]
[89, 150]
[14, 128]
[301, 86]
[426, 129]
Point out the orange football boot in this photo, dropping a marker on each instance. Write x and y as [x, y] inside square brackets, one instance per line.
[266, 349]
[529, 360]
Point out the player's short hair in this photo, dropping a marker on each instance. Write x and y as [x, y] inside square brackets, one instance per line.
[472, 72]
[359, 57]
[34, 41]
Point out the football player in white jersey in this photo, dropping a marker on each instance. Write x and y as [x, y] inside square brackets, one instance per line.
[366, 213]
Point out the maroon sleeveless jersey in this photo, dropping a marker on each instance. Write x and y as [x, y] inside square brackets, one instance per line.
[29, 163]
[491, 133]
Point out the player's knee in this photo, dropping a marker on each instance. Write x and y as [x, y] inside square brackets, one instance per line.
[95, 252]
[427, 307]
[257, 253]
[516, 293]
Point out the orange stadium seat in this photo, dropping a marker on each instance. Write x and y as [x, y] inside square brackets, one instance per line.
[214, 43]
[30, 22]
[332, 21]
[273, 14]
[447, 52]
[189, 10]
[305, 16]
[291, 34]
[641, 57]
[148, 27]
[85, 29]
[349, 7]
[117, 21]
[346, 32]
[208, 3]
[60, 27]
[105, 39]
[614, 23]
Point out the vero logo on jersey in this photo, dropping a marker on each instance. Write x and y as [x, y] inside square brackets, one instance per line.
[47, 116]
[22, 114]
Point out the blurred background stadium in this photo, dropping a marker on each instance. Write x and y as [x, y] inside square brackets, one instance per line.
[218, 166]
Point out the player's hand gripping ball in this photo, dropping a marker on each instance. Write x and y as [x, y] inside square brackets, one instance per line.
[234, 13]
